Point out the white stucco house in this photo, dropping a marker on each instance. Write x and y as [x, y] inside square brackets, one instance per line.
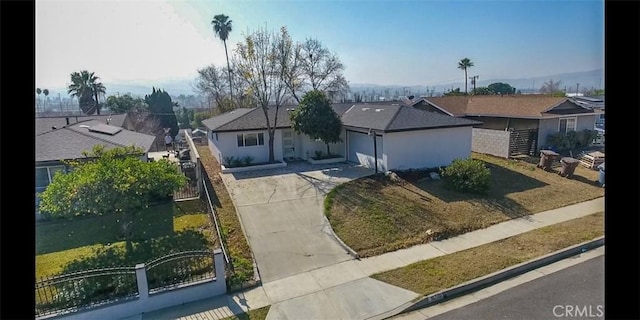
[405, 137]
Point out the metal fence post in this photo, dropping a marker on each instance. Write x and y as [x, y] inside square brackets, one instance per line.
[218, 262]
[143, 285]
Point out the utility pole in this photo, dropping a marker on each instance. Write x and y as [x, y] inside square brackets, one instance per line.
[473, 82]
[577, 88]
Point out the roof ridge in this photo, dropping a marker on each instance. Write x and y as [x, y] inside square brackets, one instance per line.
[395, 115]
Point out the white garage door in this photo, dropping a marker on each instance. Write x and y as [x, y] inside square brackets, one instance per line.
[361, 149]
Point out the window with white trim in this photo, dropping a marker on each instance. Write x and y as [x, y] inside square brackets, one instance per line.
[44, 175]
[567, 125]
[250, 139]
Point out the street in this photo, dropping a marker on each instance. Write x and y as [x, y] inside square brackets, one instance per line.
[576, 292]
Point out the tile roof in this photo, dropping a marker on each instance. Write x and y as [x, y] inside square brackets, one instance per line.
[384, 117]
[44, 124]
[69, 142]
[513, 106]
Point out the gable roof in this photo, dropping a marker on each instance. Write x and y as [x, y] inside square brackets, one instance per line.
[44, 124]
[512, 106]
[383, 117]
[70, 141]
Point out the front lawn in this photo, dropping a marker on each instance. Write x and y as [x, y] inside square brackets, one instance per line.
[377, 214]
[158, 230]
[437, 274]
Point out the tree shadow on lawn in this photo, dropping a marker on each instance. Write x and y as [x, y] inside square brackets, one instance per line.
[153, 222]
[141, 252]
[503, 182]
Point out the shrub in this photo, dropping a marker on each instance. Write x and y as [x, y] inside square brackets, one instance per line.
[228, 160]
[571, 140]
[247, 160]
[318, 154]
[236, 163]
[466, 175]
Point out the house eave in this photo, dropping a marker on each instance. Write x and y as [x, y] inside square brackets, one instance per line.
[247, 129]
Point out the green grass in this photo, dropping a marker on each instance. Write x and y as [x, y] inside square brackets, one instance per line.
[158, 229]
[433, 275]
[376, 214]
[257, 314]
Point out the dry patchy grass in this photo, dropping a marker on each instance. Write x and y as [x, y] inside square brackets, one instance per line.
[256, 314]
[433, 275]
[374, 214]
[235, 239]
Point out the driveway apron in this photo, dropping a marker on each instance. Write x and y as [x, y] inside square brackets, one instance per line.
[282, 213]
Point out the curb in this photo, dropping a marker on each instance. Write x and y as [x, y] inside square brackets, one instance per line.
[493, 278]
[350, 251]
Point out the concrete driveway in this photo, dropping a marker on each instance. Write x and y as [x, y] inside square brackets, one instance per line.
[282, 213]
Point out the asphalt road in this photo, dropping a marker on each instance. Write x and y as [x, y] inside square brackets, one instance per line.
[576, 292]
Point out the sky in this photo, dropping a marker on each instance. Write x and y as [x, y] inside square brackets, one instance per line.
[387, 42]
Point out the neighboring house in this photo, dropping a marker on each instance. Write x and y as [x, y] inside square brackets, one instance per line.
[405, 137]
[63, 142]
[44, 124]
[528, 119]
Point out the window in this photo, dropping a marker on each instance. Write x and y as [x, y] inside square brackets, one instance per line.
[250, 139]
[567, 125]
[44, 175]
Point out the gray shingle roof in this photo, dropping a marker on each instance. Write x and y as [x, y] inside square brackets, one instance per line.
[389, 117]
[70, 141]
[44, 124]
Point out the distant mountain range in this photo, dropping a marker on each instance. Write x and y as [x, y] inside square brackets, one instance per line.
[586, 79]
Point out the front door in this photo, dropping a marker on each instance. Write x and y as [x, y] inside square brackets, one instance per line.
[288, 145]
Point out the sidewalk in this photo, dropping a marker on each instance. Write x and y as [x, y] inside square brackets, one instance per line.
[345, 291]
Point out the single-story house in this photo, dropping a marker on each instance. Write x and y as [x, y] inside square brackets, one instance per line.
[67, 141]
[405, 137]
[529, 119]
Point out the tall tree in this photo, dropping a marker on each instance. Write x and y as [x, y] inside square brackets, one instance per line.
[46, 97]
[550, 87]
[161, 106]
[114, 181]
[85, 87]
[222, 27]
[501, 88]
[311, 66]
[38, 92]
[258, 61]
[465, 64]
[210, 83]
[315, 117]
[125, 103]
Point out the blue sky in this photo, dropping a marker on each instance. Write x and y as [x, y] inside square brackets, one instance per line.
[381, 42]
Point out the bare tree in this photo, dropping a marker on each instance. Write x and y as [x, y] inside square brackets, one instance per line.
[210, 83]
[550, 87]
[258, 62]
[311, 66]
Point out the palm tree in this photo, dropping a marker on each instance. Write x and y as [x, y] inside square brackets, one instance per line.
[98, 89]
[38, 91]
[85, 87]
[46, 93]
[464, 64]
[222, 27]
